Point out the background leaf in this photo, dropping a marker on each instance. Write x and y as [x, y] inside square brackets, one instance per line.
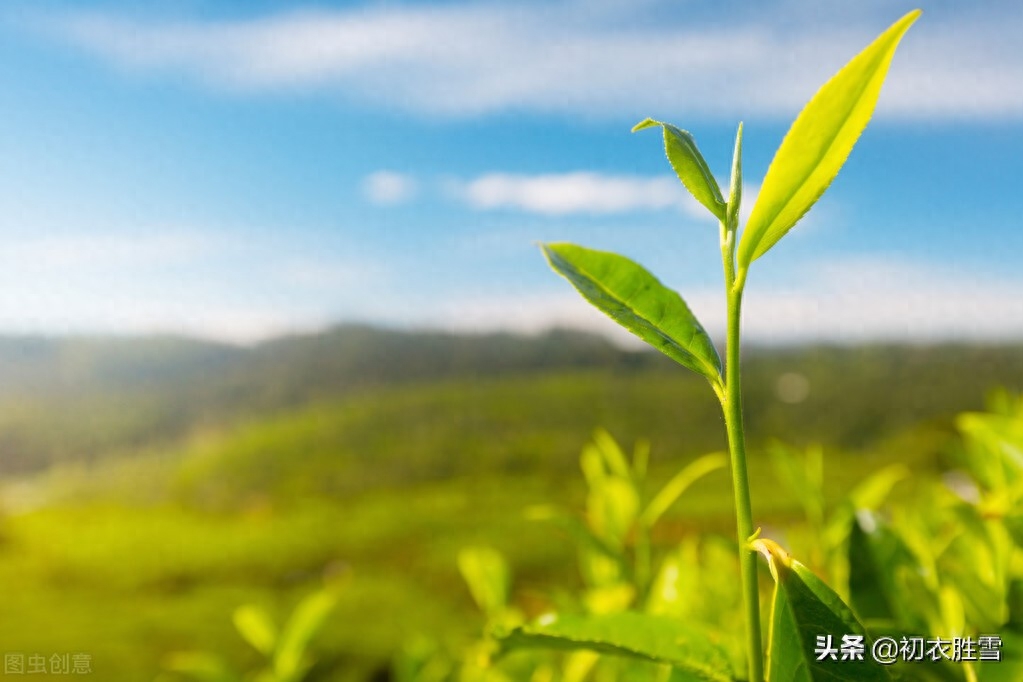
[636, 635]
[486, 573]
[635, 299]
[689, 165]
[884, 574]
[291, 660]
[200, 666]
[257, 628]
[818, 143]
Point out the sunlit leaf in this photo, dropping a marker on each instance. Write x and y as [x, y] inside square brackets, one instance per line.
[291, 660]
[868, 495]
[735, 189]
[612, 453]
[976, 562]
[612, 506]
[805, 613]
[635, 299]
[994, 448]
[486, 573]
[679, 483]
[592, 464]
[609, 598]
[200, 666]
[818, 143]
[689, 165]
[257, 628]
[647, 637]
[640, 459]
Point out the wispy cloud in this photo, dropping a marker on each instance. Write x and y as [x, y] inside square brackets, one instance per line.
[239, 289]
[468, 59]
[561, 194]
[98, 252]
[388, 188]
[885, 299]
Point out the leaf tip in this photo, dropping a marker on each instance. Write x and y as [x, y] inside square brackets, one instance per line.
[644, 124]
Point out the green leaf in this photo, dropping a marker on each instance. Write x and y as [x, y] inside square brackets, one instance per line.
[803, 610]
[1010, 667]
[486, 573]
[689, 165]
[612, 506]
[818, 143]
[257, 628]
[868, 495]
[200, 666]
[735, 188]
[976, 562]
[994, 449]
[291, 661]
[679, 483]
[636, 635]
[635, 299]
[609, 449]
[885, 576]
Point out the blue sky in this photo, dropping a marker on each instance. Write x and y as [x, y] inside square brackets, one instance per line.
[239, 170]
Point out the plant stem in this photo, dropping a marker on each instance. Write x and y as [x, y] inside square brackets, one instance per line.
[731, 407]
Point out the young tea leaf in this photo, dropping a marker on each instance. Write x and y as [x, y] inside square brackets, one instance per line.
[689, 165]
[612, 506]
[636, 635]
[486, 573]
[257, 628]
[612, 454]
[635, 299]
[808, 617]
[200, 666]
[818, 143]
[291, 660]
[735, 188]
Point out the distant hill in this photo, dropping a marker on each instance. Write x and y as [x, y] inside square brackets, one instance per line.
[79, 398]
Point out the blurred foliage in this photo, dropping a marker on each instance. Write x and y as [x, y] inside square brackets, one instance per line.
[79, 399]
[193, 479]
[945, 563]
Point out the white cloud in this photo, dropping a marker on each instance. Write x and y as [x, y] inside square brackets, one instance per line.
[561, 194]
[101, 251]
[388, 188]
[467, 59]
[876, 299]
[239, 288]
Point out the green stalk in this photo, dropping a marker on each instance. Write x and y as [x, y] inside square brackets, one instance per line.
[731, 407]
